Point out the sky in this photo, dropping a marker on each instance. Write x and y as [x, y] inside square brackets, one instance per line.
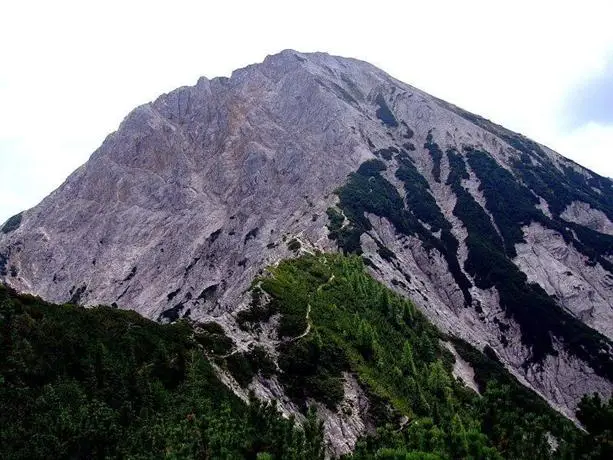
[70, 71]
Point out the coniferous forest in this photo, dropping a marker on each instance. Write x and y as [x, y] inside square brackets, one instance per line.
[106, 383]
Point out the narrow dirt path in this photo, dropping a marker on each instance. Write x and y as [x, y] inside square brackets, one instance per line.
[308, 328]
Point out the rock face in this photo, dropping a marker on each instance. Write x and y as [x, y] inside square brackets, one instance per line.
[583, 214]
[584, 288]
[197, 192]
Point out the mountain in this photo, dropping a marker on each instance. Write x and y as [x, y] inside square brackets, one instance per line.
[498, 240]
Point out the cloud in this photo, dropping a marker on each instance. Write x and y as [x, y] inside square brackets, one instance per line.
[591, 101]
[32, 168]
[582, 127]
[72, 70]
[591, 145]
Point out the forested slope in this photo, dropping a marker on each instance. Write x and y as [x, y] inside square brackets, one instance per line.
[107, 383]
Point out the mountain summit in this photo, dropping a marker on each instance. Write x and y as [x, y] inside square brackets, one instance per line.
[497, 239]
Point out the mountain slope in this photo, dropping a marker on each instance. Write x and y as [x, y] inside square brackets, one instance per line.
[103, 382]
[499, 241]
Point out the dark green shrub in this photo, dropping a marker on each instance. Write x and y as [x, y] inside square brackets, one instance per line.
[293, 245]
[12, 223]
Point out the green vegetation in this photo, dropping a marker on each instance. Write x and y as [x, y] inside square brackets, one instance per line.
[3, 262]
[244, 366]
[386, 154]
[294, 245]
[517, 141]
[257, 312]
[106, 383]
[384, 113]
[367, 191]
[213, 339]
[511, 204]
[559, 186]
[597, 418]
[423, 205]
[360, 327]
[560, 189]
[537, 314]
[437, 156]
[409, 132]
[12, 223]
[349, 315]
[251, 234]
[418, 197]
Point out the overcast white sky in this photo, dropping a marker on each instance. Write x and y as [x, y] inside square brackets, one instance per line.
[70, 71]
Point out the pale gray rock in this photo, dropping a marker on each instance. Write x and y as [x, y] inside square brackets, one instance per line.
[462, 370]
[583, 214]
[349, 422]
[544, 207]
[584, 289]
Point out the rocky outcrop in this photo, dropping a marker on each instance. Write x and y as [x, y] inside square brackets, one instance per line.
[462, 370]
[584, 288]
[583, 214]
[350, 421]
[197, 192]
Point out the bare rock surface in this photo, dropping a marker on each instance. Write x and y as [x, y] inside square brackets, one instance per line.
[350, 421]
[583, 214]
[584, 289]
[463, 370]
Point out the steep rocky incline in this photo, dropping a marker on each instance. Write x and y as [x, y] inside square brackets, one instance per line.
[499, 240]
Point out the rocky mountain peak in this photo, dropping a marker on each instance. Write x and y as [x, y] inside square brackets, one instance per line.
[499, 240]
